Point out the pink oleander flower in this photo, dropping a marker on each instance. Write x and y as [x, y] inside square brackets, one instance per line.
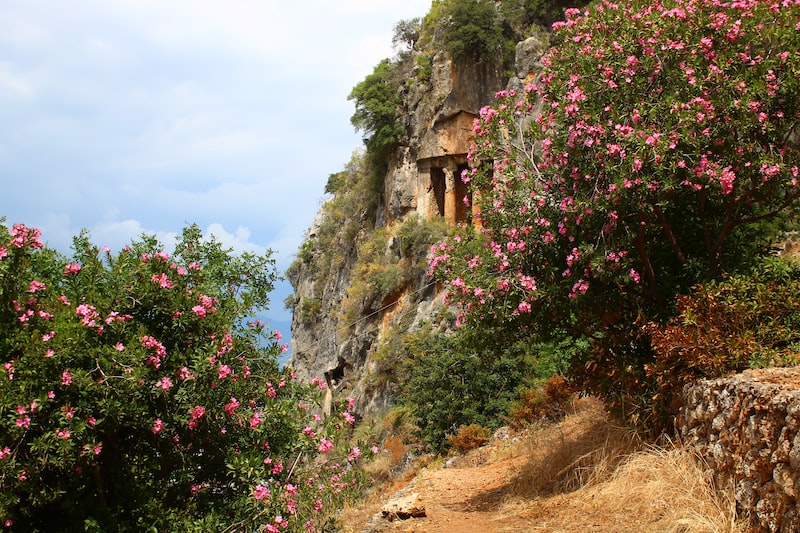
[36, 286]
[325, 445]
[119, 347]
[199, 310]
[158, 426]
[255, 420]
[260, 492]
[63, 433]
[162, 280]
[223, 372]
[195, 415]
[5, 452]
[231, 406]
[72, 268]
[164, 383]
[66, 378]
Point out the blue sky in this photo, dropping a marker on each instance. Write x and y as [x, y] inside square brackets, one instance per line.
[132, 116]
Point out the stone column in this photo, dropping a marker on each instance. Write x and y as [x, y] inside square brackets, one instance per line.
[426, 201]
[450, 208]
[476, 210]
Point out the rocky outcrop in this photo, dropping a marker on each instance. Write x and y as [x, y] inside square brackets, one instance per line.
[423, 180]
[747, 429]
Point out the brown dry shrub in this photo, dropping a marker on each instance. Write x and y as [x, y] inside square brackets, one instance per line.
[470, 437]
[581, 450]
[546, 402]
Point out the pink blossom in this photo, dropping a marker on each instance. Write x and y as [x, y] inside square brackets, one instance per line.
[199, 310]
[5, 452]
[223, 372]
[63, 433]
[158, 426]
[260, 492]
[36, 286]
[71, 268]
[162, 280]
[231, 406]
[24, 422]
[119, 347]
[634, 276]
[164, 383]
[255, 420]
[325, 445]
[195, 415]
[66, 378]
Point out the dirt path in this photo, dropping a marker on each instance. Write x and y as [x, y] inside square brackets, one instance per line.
[583, 474]
[465, 496]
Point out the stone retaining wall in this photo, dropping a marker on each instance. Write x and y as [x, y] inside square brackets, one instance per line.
[747, 428]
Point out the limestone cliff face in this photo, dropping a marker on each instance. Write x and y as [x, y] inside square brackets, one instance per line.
[344, 333]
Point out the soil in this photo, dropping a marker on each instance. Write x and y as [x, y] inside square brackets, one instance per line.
[461, 497]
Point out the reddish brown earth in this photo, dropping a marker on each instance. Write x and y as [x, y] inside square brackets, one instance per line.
[463, 497]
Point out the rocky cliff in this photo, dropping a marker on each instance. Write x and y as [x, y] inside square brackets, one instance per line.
[359, 280]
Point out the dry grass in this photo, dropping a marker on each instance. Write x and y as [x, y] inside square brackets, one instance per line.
[588, 474]
[581, 450]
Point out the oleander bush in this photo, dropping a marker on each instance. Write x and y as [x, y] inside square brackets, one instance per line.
[138, 393]
[657, 150]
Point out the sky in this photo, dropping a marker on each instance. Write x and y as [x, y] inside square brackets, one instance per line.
[126, 117]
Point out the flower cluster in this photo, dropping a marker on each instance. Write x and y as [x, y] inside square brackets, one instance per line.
[633, 166]
[166, 411]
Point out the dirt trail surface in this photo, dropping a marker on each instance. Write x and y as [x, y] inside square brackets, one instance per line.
[465, 496]
[583, 474]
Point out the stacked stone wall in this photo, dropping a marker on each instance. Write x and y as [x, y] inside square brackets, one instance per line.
[747, 429]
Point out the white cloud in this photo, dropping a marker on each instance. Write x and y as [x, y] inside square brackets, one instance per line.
[239, 240]
[138, 116]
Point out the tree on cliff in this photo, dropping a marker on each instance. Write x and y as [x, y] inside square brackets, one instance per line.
[657, 149]
[377, 102]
